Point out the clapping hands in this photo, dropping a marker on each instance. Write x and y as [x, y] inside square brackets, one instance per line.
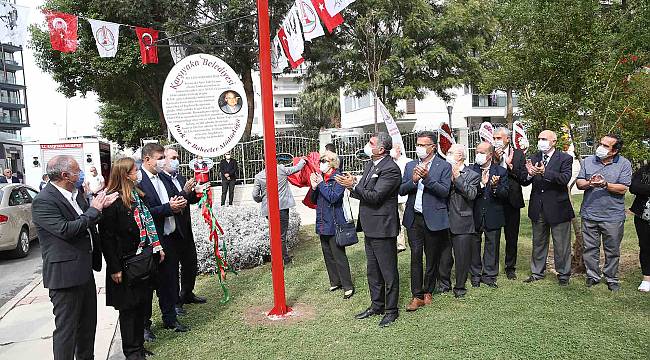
[102, 201]
[315, 179]
[420, 172]
[533, 170]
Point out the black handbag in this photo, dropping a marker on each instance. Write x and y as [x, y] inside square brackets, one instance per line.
[346, 234]
[140, 268]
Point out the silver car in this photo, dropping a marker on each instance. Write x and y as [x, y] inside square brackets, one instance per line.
[16, 226]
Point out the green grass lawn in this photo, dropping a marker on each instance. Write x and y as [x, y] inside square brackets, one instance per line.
[515, 321]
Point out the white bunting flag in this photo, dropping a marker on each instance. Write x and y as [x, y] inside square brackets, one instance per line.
[293, 33]
[178, 50]
[384, 115]
[336, 6]
[13, 23]
[311, 27]
[278, 59]
[486, 132]
[106, 37]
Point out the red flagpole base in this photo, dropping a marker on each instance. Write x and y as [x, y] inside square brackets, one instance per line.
[280, 312]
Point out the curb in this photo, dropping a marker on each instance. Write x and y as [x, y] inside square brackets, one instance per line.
[9, 305]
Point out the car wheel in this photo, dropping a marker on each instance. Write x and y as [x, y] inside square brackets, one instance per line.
[22, 248]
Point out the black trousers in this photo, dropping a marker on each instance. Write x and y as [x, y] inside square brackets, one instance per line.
[168, 288]
[132, 322]
[511, 230]
[486, 268]
[227, 187]
[433, 244]
[75, 319]
[186, 250]
[462, 245]
[383, 277]
[643, 232]
[336, 262]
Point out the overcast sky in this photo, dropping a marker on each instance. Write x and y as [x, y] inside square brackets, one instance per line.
[47, 108]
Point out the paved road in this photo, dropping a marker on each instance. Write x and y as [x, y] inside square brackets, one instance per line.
[15, 274]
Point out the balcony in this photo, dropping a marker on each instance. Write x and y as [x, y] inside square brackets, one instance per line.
[12, 122]
[10, 102]
[11, 65]
[492, 101]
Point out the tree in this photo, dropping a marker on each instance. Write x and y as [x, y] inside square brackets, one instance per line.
[319, 104]
[128, 122]
[402, 49]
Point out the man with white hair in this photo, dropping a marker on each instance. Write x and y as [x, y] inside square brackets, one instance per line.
[514, 161]
[464, 189]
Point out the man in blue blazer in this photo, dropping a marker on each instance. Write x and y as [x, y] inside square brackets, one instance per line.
[489, 216]
[163, 204]
[426, 182]
[549, 208]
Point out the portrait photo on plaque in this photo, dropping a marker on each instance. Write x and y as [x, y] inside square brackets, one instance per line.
[230, 102]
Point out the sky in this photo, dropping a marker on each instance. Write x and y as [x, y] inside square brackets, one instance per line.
[47, 107]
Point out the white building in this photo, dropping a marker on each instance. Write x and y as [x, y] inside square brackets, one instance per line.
[286, 88]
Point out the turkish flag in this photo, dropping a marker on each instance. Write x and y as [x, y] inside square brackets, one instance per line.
[63, 30]
[148, 50]
[285, 45]
[331, 22]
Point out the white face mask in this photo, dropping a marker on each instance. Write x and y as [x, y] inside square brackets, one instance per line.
[160, 165]
[451, 158]
[173, 165]
[602, 152]
[394, 154]
[227, 157]
[543, 145]
[139, 178]
[498, 143]
[421, 152]
[368, 150]
[324, 167]
[481, 159]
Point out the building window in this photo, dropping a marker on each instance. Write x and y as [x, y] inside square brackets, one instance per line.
[290, 102]
[410, 106]
[290, 118]
[492, 100]
[353, 103]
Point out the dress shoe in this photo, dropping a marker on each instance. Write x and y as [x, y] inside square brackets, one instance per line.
[146, 353]
[180, 311]
[492, 284]
[348, 294]
[388, 319]
[368, 313]
[613, 287]
[475, 282]
[415, 304]
[563, 282]
[149, 336]
[442, 290]
[511, 275]
[177, 327]
[193, 299]
[428, 298]
[531, 279]
[591, 282]
[334, 288]
[459, 294]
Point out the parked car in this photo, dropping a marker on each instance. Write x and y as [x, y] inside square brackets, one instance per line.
[16, 227]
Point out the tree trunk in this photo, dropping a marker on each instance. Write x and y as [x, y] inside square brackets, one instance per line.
[509, 112]
[247, 79]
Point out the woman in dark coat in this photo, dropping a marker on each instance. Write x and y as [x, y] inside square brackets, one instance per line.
[641, 208]
[127, 229]
[328, 196]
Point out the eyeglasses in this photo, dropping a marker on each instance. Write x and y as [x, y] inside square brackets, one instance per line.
[323, 161]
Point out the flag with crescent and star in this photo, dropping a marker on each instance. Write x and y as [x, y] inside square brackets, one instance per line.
[330, 21]
[106, 37]
[311, 27]
[63, 30]
[148, 50]
[336, 6]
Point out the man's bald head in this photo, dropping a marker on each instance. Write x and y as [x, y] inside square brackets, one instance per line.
[548, 135]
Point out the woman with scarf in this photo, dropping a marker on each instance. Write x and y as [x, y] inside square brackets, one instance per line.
[328, 196]
[127, 229]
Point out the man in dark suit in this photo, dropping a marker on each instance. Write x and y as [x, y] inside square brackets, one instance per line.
[489, 217]
[426, 182]
[66, 227]
[229, 171]
[163, 205]
[9, 177]
[186, 248]
[514, 161]
[464, 189]
[378, 219]
[549, 208]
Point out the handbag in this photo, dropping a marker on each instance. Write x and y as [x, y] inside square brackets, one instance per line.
[346, 234]
[139, 268]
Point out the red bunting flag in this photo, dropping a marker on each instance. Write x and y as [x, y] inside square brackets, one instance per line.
[63, 30]
[331, 22]
[148, 49]
[285, 45]
[445, 139]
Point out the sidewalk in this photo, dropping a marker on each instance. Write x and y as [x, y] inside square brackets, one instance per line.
[27, 322]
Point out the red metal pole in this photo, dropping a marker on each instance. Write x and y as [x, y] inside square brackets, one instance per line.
[280, 307]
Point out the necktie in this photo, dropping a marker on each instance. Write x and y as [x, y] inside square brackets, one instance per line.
[545, 159]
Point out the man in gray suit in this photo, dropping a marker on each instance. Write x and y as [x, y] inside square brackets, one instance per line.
[70, 248]
[464, 188]
[285, 197]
